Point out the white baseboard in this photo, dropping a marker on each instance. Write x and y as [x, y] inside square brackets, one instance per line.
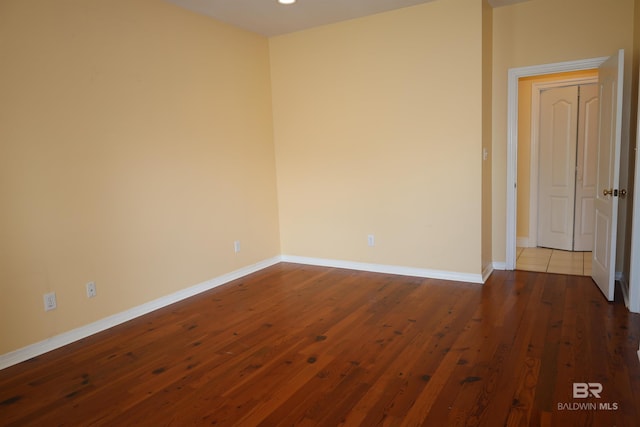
[624, 287]
[522, 242]
[389, 269]
[487, 272]
[499, 265]
[65, 338]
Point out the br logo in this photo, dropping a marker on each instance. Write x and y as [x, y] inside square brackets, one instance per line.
[585, 390]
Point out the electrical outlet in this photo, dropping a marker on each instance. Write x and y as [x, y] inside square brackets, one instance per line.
[91, 289]
[50, 301]
[236, 246]
[371, 240]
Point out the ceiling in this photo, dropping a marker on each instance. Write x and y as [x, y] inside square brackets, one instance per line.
[269, 18]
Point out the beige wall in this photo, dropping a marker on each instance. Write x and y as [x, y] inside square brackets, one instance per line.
[135, 147]
[541, 32]
[378, 127]
[524, 142]
[487, 97]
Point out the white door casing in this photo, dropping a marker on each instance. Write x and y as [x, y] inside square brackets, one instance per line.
[606, 201]
[557, 157]
[586, 167]
[634, 267]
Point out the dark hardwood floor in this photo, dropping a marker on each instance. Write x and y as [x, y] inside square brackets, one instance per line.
[305, 346]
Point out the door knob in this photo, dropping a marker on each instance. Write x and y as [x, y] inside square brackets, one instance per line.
[623, 193]
[606, 192]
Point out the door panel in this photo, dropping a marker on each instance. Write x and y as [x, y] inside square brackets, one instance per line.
[610, 82]
[601, 253]
[586, 167]
[557, 159]
[560, 214]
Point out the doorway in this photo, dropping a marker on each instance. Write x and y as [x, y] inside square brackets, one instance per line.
[513, 95]
[557, 133]
[611, 90]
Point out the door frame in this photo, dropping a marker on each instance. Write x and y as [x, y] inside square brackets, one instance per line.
[512, 136]
[634, 269]
[536, 89]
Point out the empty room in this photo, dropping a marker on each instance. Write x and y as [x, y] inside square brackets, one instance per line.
[255, 212]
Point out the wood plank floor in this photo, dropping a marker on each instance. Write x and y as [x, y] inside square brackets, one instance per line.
[306, 346]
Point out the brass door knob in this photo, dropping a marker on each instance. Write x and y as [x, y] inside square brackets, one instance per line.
[623, 193]
[606, 192]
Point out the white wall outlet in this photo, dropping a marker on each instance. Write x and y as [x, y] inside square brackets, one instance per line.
[50, 301]
[91, 289]
[371, 240]
[236, 246]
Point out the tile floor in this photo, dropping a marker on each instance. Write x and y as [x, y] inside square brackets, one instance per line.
[553, 261]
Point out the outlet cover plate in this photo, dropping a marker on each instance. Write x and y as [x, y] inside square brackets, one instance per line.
[91, 290]
[50, 302]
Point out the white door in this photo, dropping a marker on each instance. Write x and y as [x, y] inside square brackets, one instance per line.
[556, 180]
[587, 162]
[610, 83]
